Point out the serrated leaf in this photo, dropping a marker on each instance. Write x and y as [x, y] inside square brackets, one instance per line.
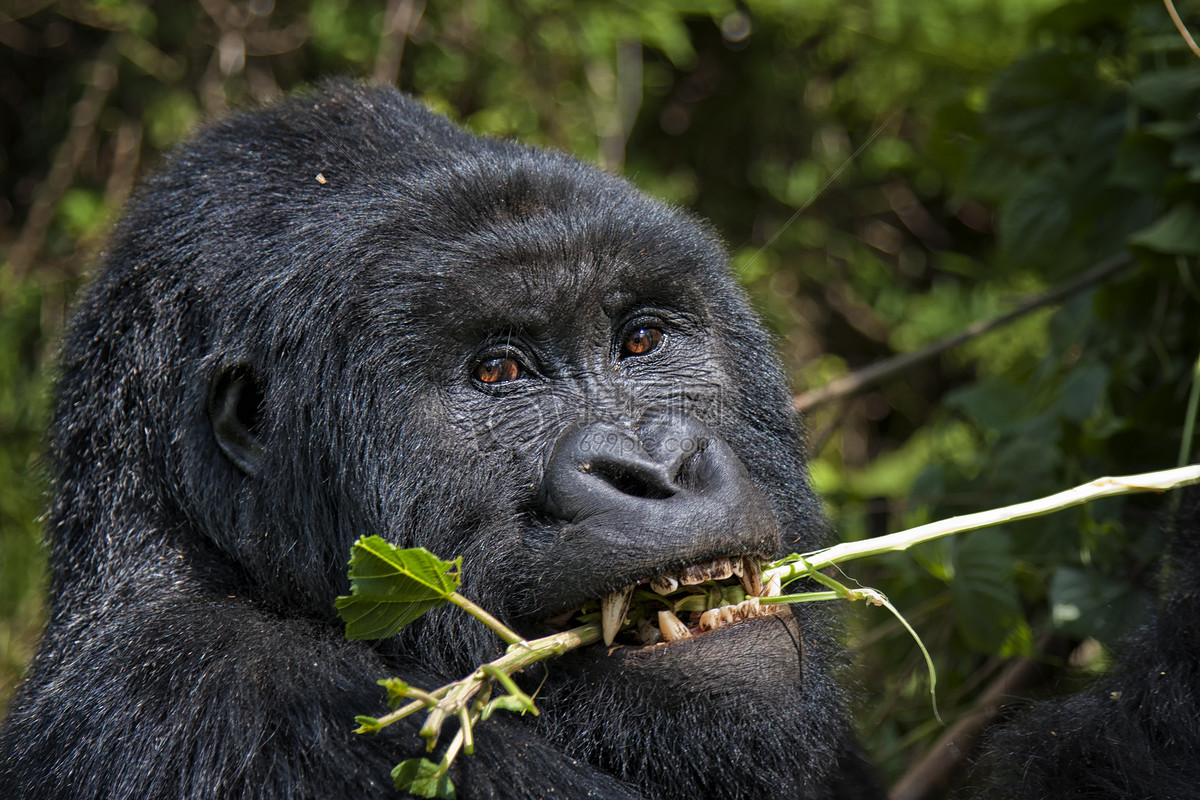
[391, 587]
[423, 778]
[1034, 222]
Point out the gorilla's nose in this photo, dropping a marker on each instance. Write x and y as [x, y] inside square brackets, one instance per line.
[603, 463]
[671, 477]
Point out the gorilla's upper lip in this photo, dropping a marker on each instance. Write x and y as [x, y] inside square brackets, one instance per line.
[681, 603]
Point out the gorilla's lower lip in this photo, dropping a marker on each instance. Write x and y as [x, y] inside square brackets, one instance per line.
[764, 646]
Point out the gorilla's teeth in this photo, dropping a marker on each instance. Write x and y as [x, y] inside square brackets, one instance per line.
[749, 608]
[672, 628]
[773, 589]
[612, 612]
[751, 576]
[696, 573]
[720, 570]
[735, 566]
[664, 584]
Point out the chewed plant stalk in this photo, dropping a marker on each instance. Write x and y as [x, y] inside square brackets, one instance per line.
[391, 587]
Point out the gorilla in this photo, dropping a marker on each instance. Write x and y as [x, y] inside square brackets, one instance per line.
[342, 315]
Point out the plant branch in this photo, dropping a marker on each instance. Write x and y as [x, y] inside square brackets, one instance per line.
[481, 614]
[870, 376]
[1160, 481]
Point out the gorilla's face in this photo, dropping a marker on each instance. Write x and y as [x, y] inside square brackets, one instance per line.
[526, 363]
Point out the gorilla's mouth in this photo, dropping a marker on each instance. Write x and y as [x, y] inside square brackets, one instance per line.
[681, 604]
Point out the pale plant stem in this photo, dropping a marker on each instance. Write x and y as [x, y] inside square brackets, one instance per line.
[895, 542]
[1183, 31]
[476, 611]
[413, 707]
[520, 655]
[421, 696]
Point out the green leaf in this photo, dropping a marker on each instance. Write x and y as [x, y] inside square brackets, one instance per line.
[422, 777]
[505, 702]
[367, 724]
[1037, 105]
[1034, 223]
[995, 403]
[1166, 90]
[391, 587]
[985, 594]
[1086, 604]
[1082, 393]
[397, 691]
[1141, 163]
[1175, 233]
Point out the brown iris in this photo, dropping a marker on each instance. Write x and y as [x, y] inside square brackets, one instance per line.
[640, 341]
[498, 370]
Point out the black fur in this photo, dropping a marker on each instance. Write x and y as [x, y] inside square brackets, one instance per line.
[1135, 735]
[277, 358]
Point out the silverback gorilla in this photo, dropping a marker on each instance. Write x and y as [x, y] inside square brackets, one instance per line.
[342, 315]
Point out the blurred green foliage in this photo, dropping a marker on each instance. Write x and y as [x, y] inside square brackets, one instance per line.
[886, 174]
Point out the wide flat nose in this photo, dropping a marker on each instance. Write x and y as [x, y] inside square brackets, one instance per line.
[601, 465]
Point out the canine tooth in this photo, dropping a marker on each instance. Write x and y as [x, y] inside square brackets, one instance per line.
[720, 569]
[710, 620]
[774, 588]
[664, 584]
[672, 628]
[612, 612]
[751, 576]
[690, 576]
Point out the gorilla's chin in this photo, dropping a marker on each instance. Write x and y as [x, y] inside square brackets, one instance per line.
[726, 714]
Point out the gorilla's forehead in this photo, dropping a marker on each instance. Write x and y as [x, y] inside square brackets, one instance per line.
[560, 249]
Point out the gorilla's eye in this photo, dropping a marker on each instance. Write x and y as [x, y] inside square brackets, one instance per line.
[498, 370]
[641, 340]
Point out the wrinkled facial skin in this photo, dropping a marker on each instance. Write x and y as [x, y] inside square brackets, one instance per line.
[490, 351]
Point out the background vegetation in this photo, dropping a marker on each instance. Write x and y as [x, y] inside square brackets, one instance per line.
[887, 174]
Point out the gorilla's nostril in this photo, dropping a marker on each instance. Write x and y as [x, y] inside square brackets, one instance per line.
[631, 480]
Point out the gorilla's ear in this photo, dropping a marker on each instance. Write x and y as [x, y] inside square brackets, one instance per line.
[234, 406]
